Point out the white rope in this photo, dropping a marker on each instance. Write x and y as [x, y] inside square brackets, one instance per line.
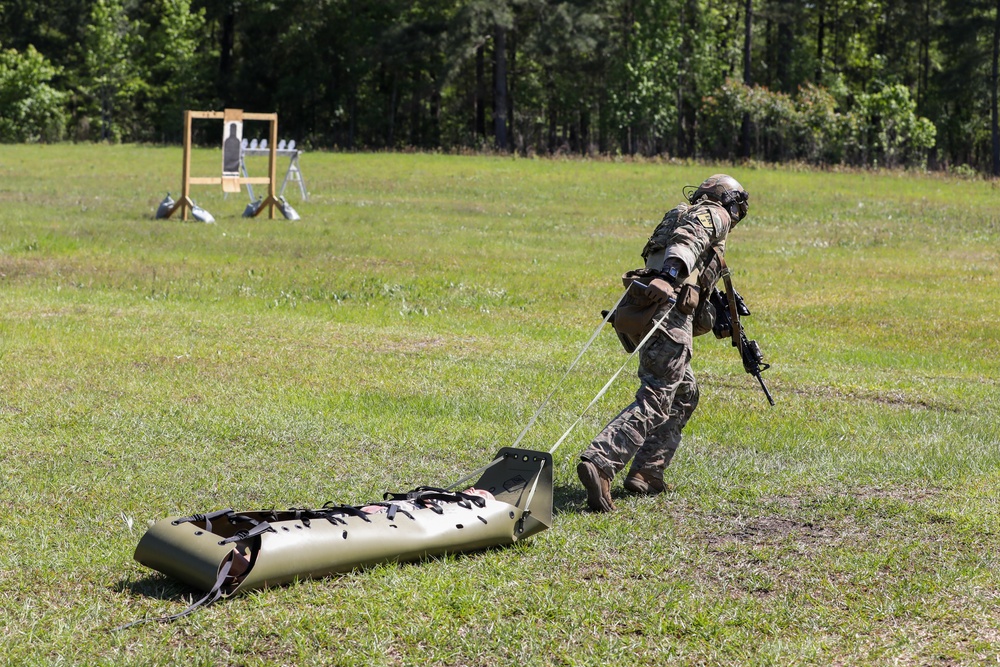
[538, 475]
[558, 384]
[609, 382]
[475, 473]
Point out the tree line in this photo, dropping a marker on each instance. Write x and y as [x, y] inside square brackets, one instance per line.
[828, 82]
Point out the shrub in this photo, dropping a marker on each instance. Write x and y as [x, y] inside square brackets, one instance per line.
[881, 129]
[895, 134]
[30, 109]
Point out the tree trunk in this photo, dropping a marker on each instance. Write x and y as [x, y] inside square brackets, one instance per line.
[105, 116]
[416, 106]
[603, 124]
[769, 60]
[552, 128]
[836, 26]
[480, 127]
[628, 22]
[995, 121]
[391, 130]
[747, 74]
[226, 41]
[435, 131]
[352, 117]
[747, 37]
[500, 88]
[785, 46]
[820, 34]
[925, 56]
[511, 80]
[687, 20]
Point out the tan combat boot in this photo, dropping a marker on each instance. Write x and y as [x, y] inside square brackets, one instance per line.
[643, 483]
[597, 485]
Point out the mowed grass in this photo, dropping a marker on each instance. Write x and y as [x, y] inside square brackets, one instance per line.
[409, 325]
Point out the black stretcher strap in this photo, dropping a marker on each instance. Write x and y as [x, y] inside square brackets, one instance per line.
[434, 493]
[332, 510]
[262, 527]
[207, 518]
[208, 599]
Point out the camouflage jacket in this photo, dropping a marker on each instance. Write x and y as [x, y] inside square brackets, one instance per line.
[695, 235]
[692, 234]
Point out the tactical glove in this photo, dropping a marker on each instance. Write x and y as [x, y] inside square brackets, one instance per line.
[660, 291]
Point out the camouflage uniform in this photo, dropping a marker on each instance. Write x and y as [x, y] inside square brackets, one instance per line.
[650, 428]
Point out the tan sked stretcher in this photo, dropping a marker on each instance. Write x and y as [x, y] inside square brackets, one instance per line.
[227, 552]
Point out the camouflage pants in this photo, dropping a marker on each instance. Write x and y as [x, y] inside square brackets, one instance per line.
[650, 428]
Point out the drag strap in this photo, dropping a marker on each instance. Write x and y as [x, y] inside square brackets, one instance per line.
[604, 389]
[736, 329]
[608, 314]
[531, 494]
[208, 599]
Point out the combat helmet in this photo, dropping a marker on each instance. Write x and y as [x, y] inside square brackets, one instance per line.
[724, 190]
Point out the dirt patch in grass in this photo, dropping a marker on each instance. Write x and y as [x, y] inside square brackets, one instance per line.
[901, 494]
[17, 268]
[894, 399]
[776, 529]
[785, 523]
[407, 345]
[889, 399]
[774, 546]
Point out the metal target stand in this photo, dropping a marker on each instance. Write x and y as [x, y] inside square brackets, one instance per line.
[285, 149]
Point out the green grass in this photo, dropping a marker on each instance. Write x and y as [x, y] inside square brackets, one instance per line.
[409, 326]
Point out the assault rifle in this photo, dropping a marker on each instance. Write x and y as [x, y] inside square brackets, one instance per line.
[727, 325]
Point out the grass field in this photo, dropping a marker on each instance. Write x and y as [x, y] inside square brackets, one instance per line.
[409, 325]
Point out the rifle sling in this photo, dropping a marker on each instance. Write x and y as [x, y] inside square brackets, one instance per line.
[734, 315]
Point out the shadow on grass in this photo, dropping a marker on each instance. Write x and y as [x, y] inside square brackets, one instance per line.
[569, 499]
[161, 587]
[573, 499]
[158, 586]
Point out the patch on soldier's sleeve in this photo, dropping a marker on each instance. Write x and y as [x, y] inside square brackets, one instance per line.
[705, 218]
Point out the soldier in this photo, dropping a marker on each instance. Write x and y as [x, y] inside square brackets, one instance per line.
[684, 260]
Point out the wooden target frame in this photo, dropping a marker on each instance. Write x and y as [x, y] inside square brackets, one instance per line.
[229, 182]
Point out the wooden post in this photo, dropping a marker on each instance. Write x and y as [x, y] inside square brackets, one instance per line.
[184, 202]
[273, 165]
[186, 175]
[271, 200]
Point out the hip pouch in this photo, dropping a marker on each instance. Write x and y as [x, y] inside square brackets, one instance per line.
[688, 297]
[633, 317]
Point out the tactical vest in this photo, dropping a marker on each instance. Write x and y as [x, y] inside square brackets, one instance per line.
[703, 223]
[655, 248]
